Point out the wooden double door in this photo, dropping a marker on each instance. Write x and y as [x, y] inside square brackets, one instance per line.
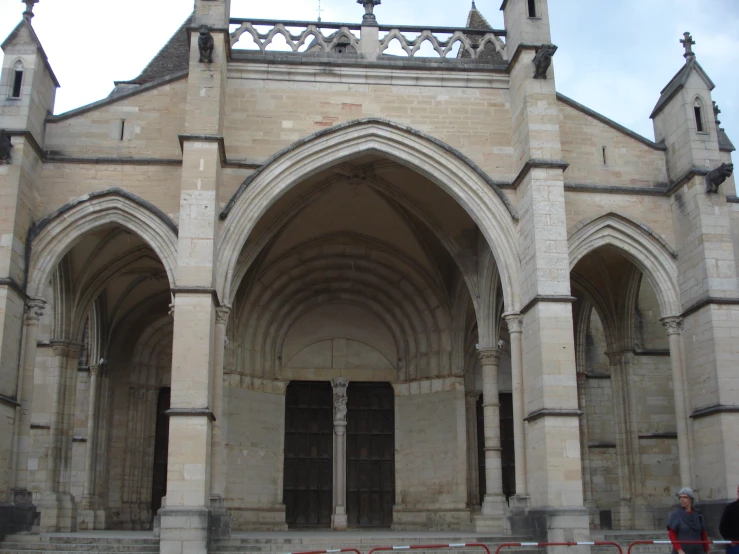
[370, 454]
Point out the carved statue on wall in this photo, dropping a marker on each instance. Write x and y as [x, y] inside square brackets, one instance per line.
[339, 385]
[543, 59]
[5, 148]
[205, 45]
[717, 177]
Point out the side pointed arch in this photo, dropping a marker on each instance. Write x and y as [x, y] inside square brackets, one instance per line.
[55, 235]
[641, 245]
[458, 176]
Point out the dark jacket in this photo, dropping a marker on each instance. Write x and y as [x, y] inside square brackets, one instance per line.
[729, 526]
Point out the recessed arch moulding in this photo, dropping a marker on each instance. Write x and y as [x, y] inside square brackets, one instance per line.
[451, 171]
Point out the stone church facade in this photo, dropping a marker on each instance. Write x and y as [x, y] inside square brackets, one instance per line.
[333, 287]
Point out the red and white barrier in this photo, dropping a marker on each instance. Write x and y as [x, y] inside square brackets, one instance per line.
[583, 543]
[431, 547]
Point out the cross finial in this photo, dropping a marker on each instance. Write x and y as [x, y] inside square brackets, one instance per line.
[319, 11]
[28, 14]
[369, 8]
[688, 43]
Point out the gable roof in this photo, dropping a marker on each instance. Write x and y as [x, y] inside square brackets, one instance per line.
[25, 25]
[678, 82]
[724, 144]
[174, 57]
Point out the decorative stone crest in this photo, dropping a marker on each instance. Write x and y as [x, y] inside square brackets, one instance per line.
[369, 11]
[717, 177]
[5, 147]
[340, 385]
[673, 325]
[206, 44]
[543, 59]
[716, 111]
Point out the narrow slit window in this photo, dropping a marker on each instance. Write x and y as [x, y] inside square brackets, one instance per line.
[123, 127]
[17, 83]
[532, 8]
[605, 161]
[698, 118]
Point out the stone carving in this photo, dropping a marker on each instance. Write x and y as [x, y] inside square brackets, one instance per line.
[369, 9]
[5, 148]
[340, 385]
[716, 111]
[205, 44]
[717, 177]
[543, 59]
[489, 356]
[35, 309]
[673, 325]
[222, 314]
[688, 42]
[515, 323]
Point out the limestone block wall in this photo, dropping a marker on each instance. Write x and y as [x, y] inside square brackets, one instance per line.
[430, 459]
[266, 115]
[255, 437]
[628, 162]
[80, 444]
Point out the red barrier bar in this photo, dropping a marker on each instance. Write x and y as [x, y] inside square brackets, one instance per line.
[583, 543]
[430, 547]
[667, 541]
[328, 551]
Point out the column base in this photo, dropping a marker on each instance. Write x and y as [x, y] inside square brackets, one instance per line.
[519, 501]
[545, 524]
[339, 520]
[492, 518]
[58, 512]
[220, 522]
[184, 530]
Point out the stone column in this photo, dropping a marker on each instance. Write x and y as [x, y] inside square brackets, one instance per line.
[674, 329]
[58, 507]
[221, 523]
[493, 504]
[369, 37]
[473, 463]
[339, 520]
[515, 330]
[86, 514]
[34, 311]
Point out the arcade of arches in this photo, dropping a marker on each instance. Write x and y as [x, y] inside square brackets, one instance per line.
[337, 288]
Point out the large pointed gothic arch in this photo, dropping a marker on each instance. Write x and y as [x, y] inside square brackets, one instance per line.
[475, 192]
[55, 235]
[642, 246]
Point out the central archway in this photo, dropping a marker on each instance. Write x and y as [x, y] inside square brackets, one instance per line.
[466, 183]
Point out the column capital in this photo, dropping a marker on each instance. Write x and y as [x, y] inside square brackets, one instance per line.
[673, 324]
[94, 370]
[35, 309]
[488, 356]
[514, 321]
[222, 314]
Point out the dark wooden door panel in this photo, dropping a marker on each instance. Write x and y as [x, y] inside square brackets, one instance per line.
[370, 454]
[308, 481]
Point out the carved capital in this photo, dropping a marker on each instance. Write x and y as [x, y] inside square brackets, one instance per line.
[615, 358]
[222, 314]
[94, 370]
[74, 349]
[171, 309]
[515, 323]
[60, 348]
[489, 356]
[673, 324]
[340, 385]
[35, 309]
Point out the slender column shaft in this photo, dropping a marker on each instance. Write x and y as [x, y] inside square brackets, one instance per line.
[515, 330]
[92, 410]
[473, 467]
[54, 452]
[34, 311]
[218, 462]
[673, 326]
[491, 415]
[339, 519]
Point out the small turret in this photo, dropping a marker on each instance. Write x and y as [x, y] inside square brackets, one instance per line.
[684, 118]
[526, 23]
[27, 83]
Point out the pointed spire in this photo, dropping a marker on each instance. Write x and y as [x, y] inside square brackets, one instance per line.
[473, 5]
[28, 14]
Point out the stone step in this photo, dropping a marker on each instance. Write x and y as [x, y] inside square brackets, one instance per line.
[121, 547]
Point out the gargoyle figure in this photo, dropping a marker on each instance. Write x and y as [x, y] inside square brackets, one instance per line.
[5, 147]
[205, 45]
[543, 59]
[717, 177]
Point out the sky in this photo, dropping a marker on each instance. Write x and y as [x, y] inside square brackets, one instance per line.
[614, 56]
